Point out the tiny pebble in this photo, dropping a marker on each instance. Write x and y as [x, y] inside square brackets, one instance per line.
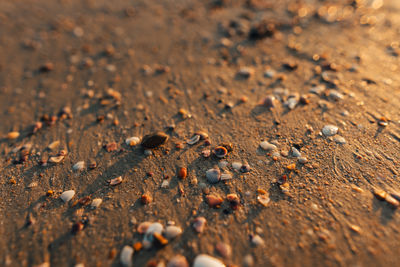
[267, 146]
[303, 160]
[178, 261]
[340, 140]
[132, 141]
[96, 202]
[236, 165]
[172, 231]
[257, 241]
[199, 224]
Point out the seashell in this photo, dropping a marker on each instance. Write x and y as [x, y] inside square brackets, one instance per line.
[165, 183]
[199, 224]
[67, 195]
[303, 160]
[116, 181]
[79, 166]
[12, 135]
[32, 185]
[267, 146]
[172, 231]
[213, 175]
[292, 102]
[204, 260]
[222, 164]
[263, 200]
[226, 176]
[142, 227]
[132, 141]
[330, 130]
[154, 228]
[56, 159]
[54, 145]
[178, 261]
[295, 152]
[126, 256]
[195, 139]
[96, 202]
[245, 168]
[220, 151]
[236, 165]
[154, 140]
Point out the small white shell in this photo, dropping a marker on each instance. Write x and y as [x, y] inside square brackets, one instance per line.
[204, 260]
[339, 140]
[67, 195]
[116, 181]
[199, 224]
[172, 231]
[295, 152]
[132, 141]
[80, 165]
[263, 200]
[330, 130]
[194, 139]
[126, 256]
[96, 202]
[237, 165]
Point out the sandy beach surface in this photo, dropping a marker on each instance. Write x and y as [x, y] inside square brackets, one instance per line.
[153, 133]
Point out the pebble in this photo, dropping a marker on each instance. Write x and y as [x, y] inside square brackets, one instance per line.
[67, 195]
[292, 102]
[132, 141]
[154, 140]
[96, 202]
[214, 200]
[269, 74]
[213, 175]
[80, 165]
[267, 146]
[303, 160]
[269, 102]
[172, 231]
[257, 241]
[178, 261]
[54, 145]
[126, 256]
[194, 140]
[116, 181]
[340, 140]
[246, 72]
[142, 227]
[12, 135]
[330, 130]
[206, 153]
[295, 152]
[248, 261]
[223, 249]
[199, 224]
[236, 165]
[204, 260]
[335, 95]
[153, 229]
[148, 152]
[182, 173]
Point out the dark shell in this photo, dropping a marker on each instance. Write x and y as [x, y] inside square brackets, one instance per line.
[220, 151]
[154, 140]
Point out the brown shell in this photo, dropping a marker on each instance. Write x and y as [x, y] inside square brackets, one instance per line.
[154, 140]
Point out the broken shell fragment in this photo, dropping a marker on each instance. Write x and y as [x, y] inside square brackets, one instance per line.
[199, 224]
[213, 176]
[96, 202]
[154, 140]
[204, 260]
[56, 159]
[226, 176]
[116, 181]
[194, 140]
[67, 195]
[263, 200]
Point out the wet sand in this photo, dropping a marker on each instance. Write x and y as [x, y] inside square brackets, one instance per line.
[239, 71]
